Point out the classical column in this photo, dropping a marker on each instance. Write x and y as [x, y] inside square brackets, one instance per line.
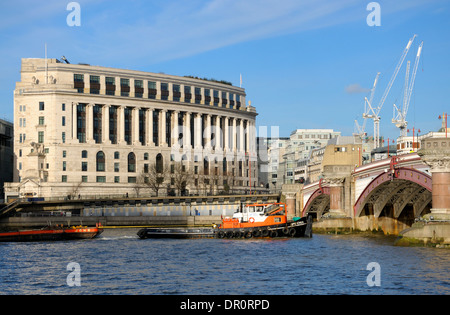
[105, 124]
[174, 134]
[121, 125]
[90, 124]
[162, 128]
[74, 122]
[234, 136]
[187, 130]
[135, 126]
[435, 152]
[207, 132]
[198, 131]
[218, 134]
[241, 137]
[149, 127]
[226, 131]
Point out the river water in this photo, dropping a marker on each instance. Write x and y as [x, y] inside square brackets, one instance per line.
[118, 262]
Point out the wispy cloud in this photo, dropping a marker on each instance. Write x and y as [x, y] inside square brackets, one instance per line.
[356, 89]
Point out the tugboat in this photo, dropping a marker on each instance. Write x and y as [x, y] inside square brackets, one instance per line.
[264, 220]
[254, 220]
[56, 233]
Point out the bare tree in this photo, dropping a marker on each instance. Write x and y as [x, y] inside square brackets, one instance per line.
[181, 177]
[156, 177]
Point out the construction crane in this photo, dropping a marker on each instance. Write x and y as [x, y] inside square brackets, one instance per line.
[374, 113]
[399, 118]
[360, 130]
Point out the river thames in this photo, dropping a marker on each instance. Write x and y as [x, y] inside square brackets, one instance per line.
[118, 262]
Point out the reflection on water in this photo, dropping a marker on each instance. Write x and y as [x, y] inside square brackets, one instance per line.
[119, 263]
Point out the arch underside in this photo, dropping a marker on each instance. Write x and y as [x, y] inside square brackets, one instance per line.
[399, 194]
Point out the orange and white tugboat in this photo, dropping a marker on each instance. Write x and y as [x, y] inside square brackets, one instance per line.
[263, 220]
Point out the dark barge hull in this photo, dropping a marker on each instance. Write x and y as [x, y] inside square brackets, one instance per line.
[177, 233]
[50, 235]
[301, 228]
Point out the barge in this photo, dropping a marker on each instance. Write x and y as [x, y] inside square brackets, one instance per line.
[251, 221]
[57, 233]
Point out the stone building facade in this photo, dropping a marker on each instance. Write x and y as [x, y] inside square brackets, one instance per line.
[90, 130]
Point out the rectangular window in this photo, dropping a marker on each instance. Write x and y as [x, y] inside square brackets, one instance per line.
[138, 88]
[84, 166]
[41, 120]
[165, 91]
[176, 92]
[64, 166]
[78, 78]
[63, 107]
[117, 167]
[110, 81]
[40, 137]
[116, 179]
[84, 179]
[63, 137]
[152, 90]
[101, 179]
[132, 180]
[63, 121]
[64, 178]
[125, 87]
[41, 105]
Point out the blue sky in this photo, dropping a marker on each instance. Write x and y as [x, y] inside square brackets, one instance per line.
[304, 64]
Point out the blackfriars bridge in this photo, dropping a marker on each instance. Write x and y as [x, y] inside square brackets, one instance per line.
[390, 194]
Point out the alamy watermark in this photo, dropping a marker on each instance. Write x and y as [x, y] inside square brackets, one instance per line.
[74, 277]
[374, 17]
[74, 17]
[374, 277]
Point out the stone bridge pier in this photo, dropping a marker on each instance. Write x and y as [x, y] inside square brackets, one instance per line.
[435, 153]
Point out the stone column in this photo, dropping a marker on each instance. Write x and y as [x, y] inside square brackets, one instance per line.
[74, 122]
[135, 126]
[336, 186]
[175, 130]
[198, 131]
[162, 128]
[241, 137]
[187, 130]
[226, 140]
[149, 126]
[234, 136]
[105, 124]
[334, 176]
[435, 152]
[290, 204]
[90, 124]
[121, 125]
[207, 132]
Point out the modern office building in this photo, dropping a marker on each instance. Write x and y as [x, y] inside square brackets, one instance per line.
[90, 130]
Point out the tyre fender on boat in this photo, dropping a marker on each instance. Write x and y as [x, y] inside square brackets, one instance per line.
[221, 234]
[292, 232]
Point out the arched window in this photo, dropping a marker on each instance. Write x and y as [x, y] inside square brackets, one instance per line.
[159, 163]
[131, 162]
[100, 161]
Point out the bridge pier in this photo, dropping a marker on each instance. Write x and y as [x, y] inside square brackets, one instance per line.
[435, 153]
[335, 176]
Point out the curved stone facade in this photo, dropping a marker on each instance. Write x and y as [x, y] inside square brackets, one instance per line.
[89, 130]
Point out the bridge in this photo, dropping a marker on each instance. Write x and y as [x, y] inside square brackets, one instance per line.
[390, 194]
